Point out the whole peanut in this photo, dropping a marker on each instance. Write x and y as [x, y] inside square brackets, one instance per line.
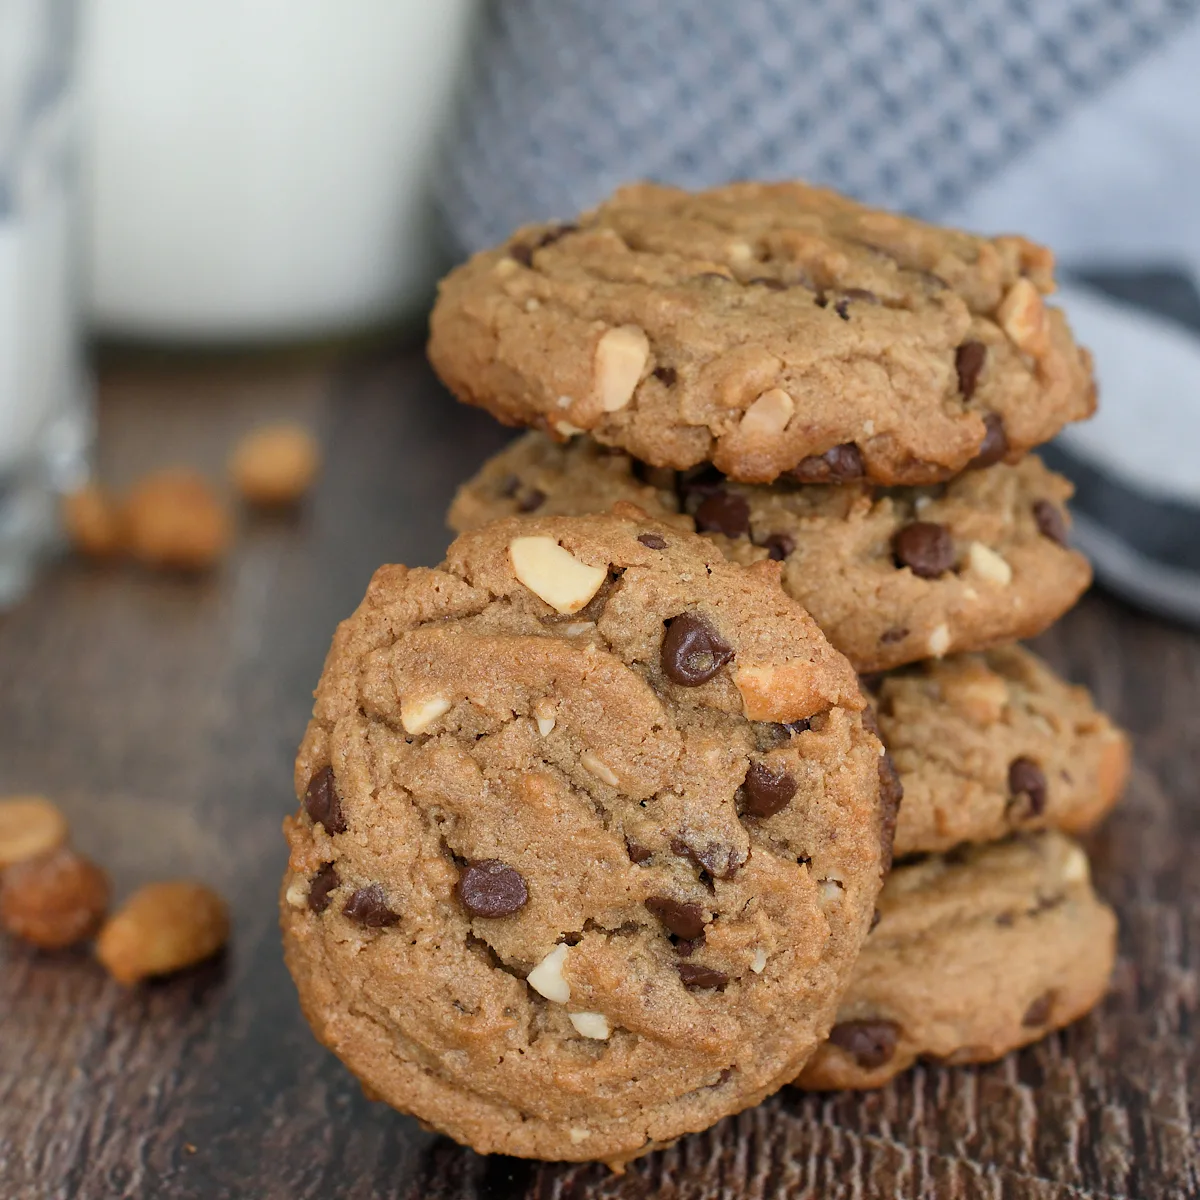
[55, 900]
[29, 826]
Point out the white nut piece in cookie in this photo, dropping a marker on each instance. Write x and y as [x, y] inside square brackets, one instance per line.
[544, 715]
[939, 641]
[1022, 315]
[758, 964]
[769, 415]
[554, 574]
[621, 356]
[297, 893]
[1075, 868]
[987, 564]
[547, 977]
[417, 715]
[591, 1025]
[599, 768]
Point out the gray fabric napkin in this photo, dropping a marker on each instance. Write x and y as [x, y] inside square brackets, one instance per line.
[1074, 121]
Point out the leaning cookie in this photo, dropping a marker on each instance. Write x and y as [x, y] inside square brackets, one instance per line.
[770, 329]
[974, 955]
[993, 743]
[591, 836]
[891, 575]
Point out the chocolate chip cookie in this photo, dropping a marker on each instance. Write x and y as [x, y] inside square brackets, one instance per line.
[770, 329]
[892, 575]
[988, 744]
[974, 955]
[591, 834]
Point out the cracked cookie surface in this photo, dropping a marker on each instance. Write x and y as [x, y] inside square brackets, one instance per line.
[892, 575]
[975, 954]
[766, 328]
[591, 833]
[990, 744]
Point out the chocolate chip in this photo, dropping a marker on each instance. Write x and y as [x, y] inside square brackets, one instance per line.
[712, 858]
[665, 375]
[968, 362]
[876, 917]
[801, 726]
[1006, 920]
[1025, 778]
[637, 854]
[723, 512]
[863, 294]
[368, 906]
[692, 651]
[509, 487]
[699, 481]
[871, 682]
[534, 498]
[775, 285]
[684, 919]
[652, 541]
[839, 465]
[889, 637]
[522, 252]
[1038, 1013]
[778, 545]
[698, 976]
[557, 234]
[321, 802]
[1050, 521]
[869, 1043]
[491, 888]
[842, 308]
[766, 793]
[994, 445]
[926, 548]
[320, 887]
[687, 948]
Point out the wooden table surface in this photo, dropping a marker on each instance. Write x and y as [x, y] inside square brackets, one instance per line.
[163, 715]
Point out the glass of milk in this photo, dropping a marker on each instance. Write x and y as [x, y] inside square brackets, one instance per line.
[44, 409]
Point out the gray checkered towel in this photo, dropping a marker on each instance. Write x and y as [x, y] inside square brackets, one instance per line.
[1076, 121]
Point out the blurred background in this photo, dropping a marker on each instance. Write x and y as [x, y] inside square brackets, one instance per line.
[256, 173]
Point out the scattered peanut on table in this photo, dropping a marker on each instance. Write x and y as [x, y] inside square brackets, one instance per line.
[55, 900]
[176, 520]
[274, 465]
[163, 927]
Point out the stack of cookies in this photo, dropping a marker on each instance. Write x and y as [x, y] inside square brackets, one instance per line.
[598, 816]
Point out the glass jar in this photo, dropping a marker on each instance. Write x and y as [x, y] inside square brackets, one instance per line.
[45, 422]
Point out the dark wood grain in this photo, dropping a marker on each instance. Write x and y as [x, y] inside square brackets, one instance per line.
[163, 715]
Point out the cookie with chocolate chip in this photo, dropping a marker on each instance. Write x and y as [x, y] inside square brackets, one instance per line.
[590, 834]
[770, 329]
[974, 955]
[892, 575]
[993, 743]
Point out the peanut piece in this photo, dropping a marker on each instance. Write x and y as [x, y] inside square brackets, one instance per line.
[621, 356]
[769, 414]
[29, 826]
[275, 465]
[547, 977]
[417, 715]
[55, 900]
[92, 519]
[1022, 315]
[175, 520]
[590, 1025]
[163, 927]
[939, 641]
[987, 564]
[554, 574]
